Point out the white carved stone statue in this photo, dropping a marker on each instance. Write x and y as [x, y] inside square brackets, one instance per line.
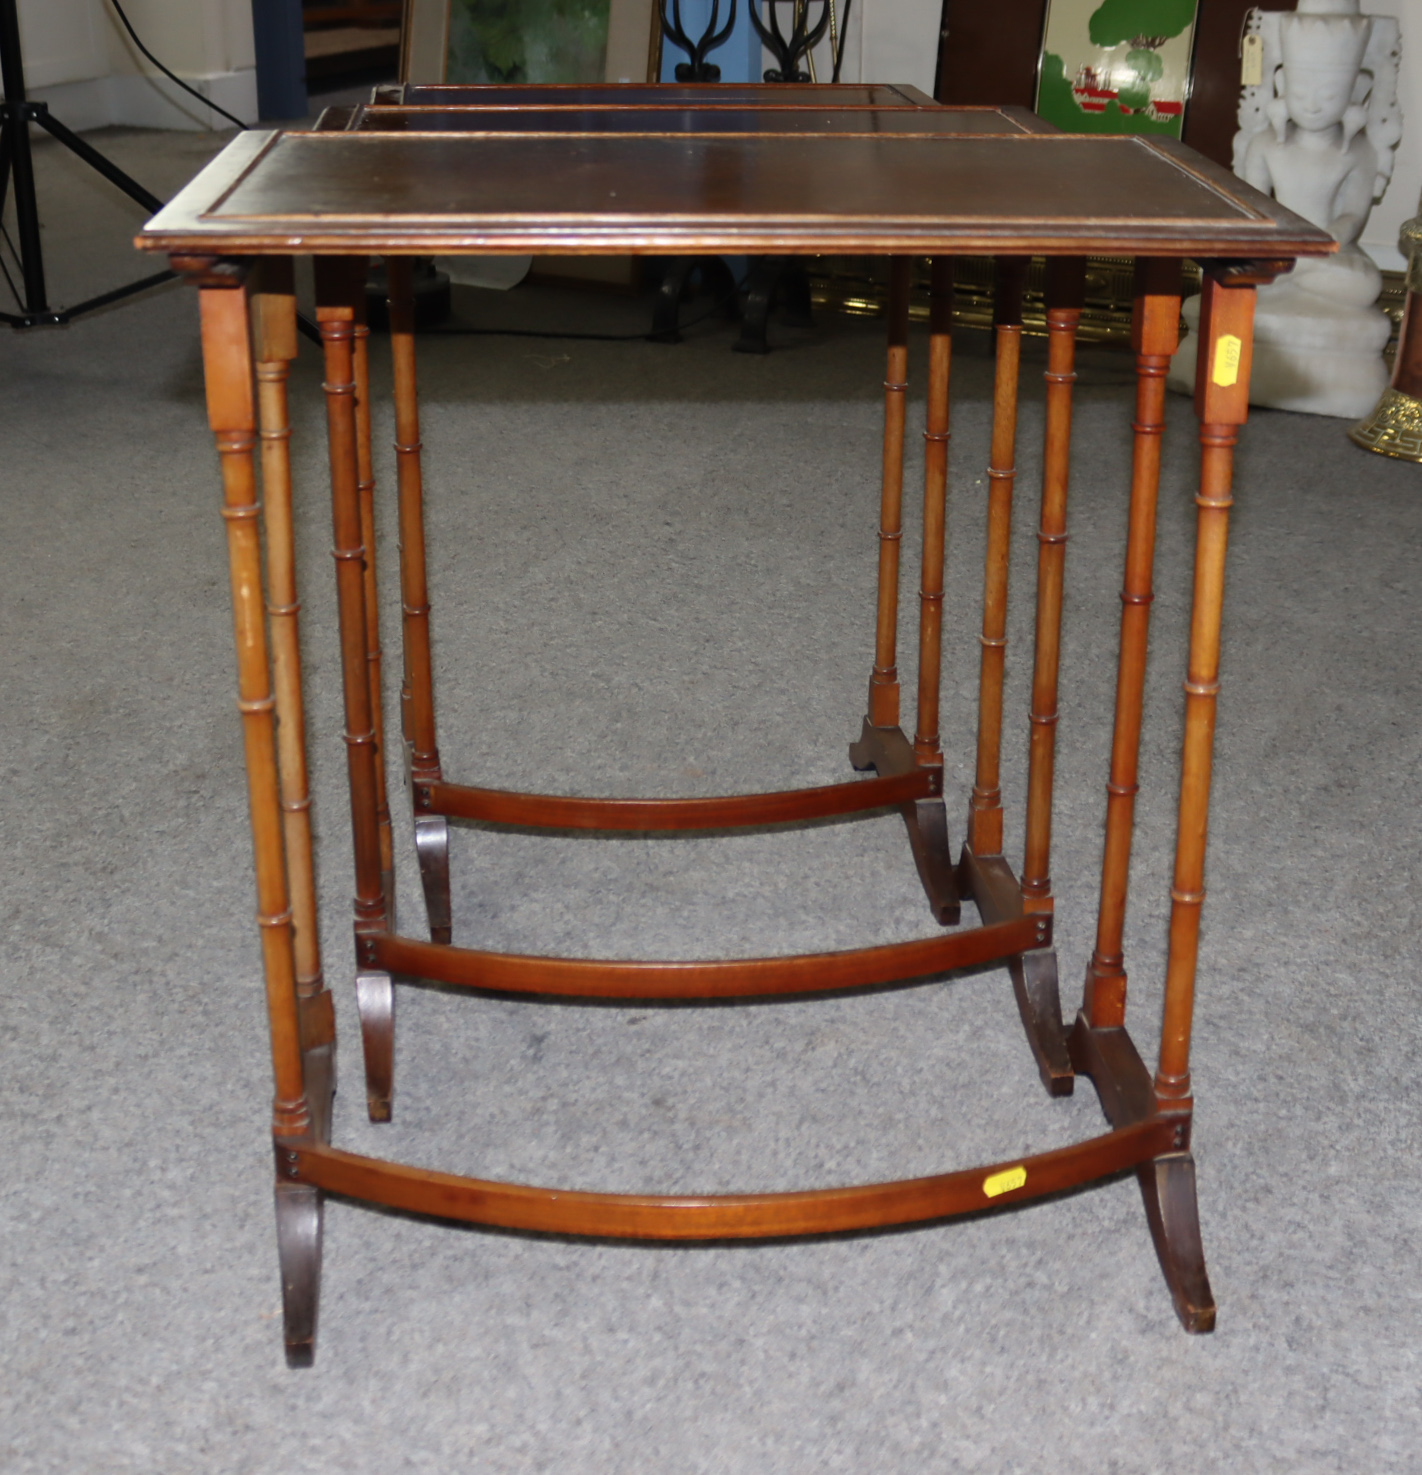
[1318, 134]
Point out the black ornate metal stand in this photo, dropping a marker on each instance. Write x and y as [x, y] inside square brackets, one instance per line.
[698, 69]
[789, 51]
[771, 281]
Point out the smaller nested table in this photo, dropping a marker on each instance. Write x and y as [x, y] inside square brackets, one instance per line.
[891, 177]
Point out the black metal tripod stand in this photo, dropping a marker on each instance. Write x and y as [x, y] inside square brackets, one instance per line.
[17, 112]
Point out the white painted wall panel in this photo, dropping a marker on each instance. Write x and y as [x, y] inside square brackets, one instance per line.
[899, 41]
[62, 40]
[1401, 200]
[79, 59]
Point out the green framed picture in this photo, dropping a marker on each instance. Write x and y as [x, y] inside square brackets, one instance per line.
[538, 41]
[1116, 66]
[527, 41]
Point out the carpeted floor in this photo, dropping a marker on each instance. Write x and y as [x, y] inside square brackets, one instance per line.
[652, 573]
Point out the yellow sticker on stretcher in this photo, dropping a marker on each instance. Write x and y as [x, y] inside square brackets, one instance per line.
[1226, 366]
[1005, 1181]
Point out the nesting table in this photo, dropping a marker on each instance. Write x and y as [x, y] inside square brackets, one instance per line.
[783, 170]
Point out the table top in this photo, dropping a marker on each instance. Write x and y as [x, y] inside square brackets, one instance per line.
[677, 94]
[663, 118]
[753, 176]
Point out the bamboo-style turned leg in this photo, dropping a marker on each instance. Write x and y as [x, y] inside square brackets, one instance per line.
[274, 321]
[1034, 974]
[928, 821]
[882, 744]
[298, 1209]
[985, 816]
[1156, 333]
[228, 368]
[227, 363]
[417, 703]
[926, 745]
[338, 284]
[985, 873]
[1221, 404]
[1066, 279]
[365, 469]
[884, 680]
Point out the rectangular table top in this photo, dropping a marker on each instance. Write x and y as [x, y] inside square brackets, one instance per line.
[678, 94]
[678, 118]
[793, 189]
[691, 168]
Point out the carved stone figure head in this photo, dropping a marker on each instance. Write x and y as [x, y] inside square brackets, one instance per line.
[1324, 65]
[1318, 82]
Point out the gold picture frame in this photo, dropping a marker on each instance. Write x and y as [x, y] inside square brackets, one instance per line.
[633, 54]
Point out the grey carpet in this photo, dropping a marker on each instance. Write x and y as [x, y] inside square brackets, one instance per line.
[652, 573]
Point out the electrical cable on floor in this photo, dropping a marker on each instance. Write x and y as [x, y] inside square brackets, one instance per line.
[172, 76]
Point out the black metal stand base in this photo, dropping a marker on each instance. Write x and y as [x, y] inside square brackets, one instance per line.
[17, 112]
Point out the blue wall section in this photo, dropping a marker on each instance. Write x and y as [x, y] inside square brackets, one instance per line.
[739, 57]
[281, 59]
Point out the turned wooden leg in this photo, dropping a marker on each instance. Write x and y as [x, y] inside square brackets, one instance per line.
[1221, 404]
[228, 368]
[881, 744]
[1156, 333]
[339, 284]
[365, 473]
[1066, 278]
[274, 321]
[227, 361]
[431, 831]
[884, 680]
[985, 814]
[928, 821]
[983, 872]
[1034, 975]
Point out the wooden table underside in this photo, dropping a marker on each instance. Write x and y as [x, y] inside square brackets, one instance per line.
[948, 187]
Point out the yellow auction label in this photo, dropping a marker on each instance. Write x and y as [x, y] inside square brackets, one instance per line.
[1004, 1182]
[1226, 368]
[1251, 61]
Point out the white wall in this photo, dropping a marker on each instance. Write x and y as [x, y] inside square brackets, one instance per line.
[1401, 200]
[898, 40]
[63, 41]
[889, 41]
[79, 59]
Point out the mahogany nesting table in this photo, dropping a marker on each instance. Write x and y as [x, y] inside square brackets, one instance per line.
[778, 170]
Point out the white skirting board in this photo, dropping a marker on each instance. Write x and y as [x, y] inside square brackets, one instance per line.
[140, 101]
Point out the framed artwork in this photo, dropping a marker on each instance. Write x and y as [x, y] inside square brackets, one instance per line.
[1116, 66]
[509, 41]
[991, 54]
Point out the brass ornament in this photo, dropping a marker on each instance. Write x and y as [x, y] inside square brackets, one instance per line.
[1394, 428]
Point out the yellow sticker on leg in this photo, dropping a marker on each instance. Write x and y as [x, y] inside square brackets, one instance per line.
[1005, 1181]
[1226, 365]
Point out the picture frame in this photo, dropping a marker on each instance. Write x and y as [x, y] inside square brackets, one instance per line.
[1117, 66]
[991, 55]
[632, 51]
